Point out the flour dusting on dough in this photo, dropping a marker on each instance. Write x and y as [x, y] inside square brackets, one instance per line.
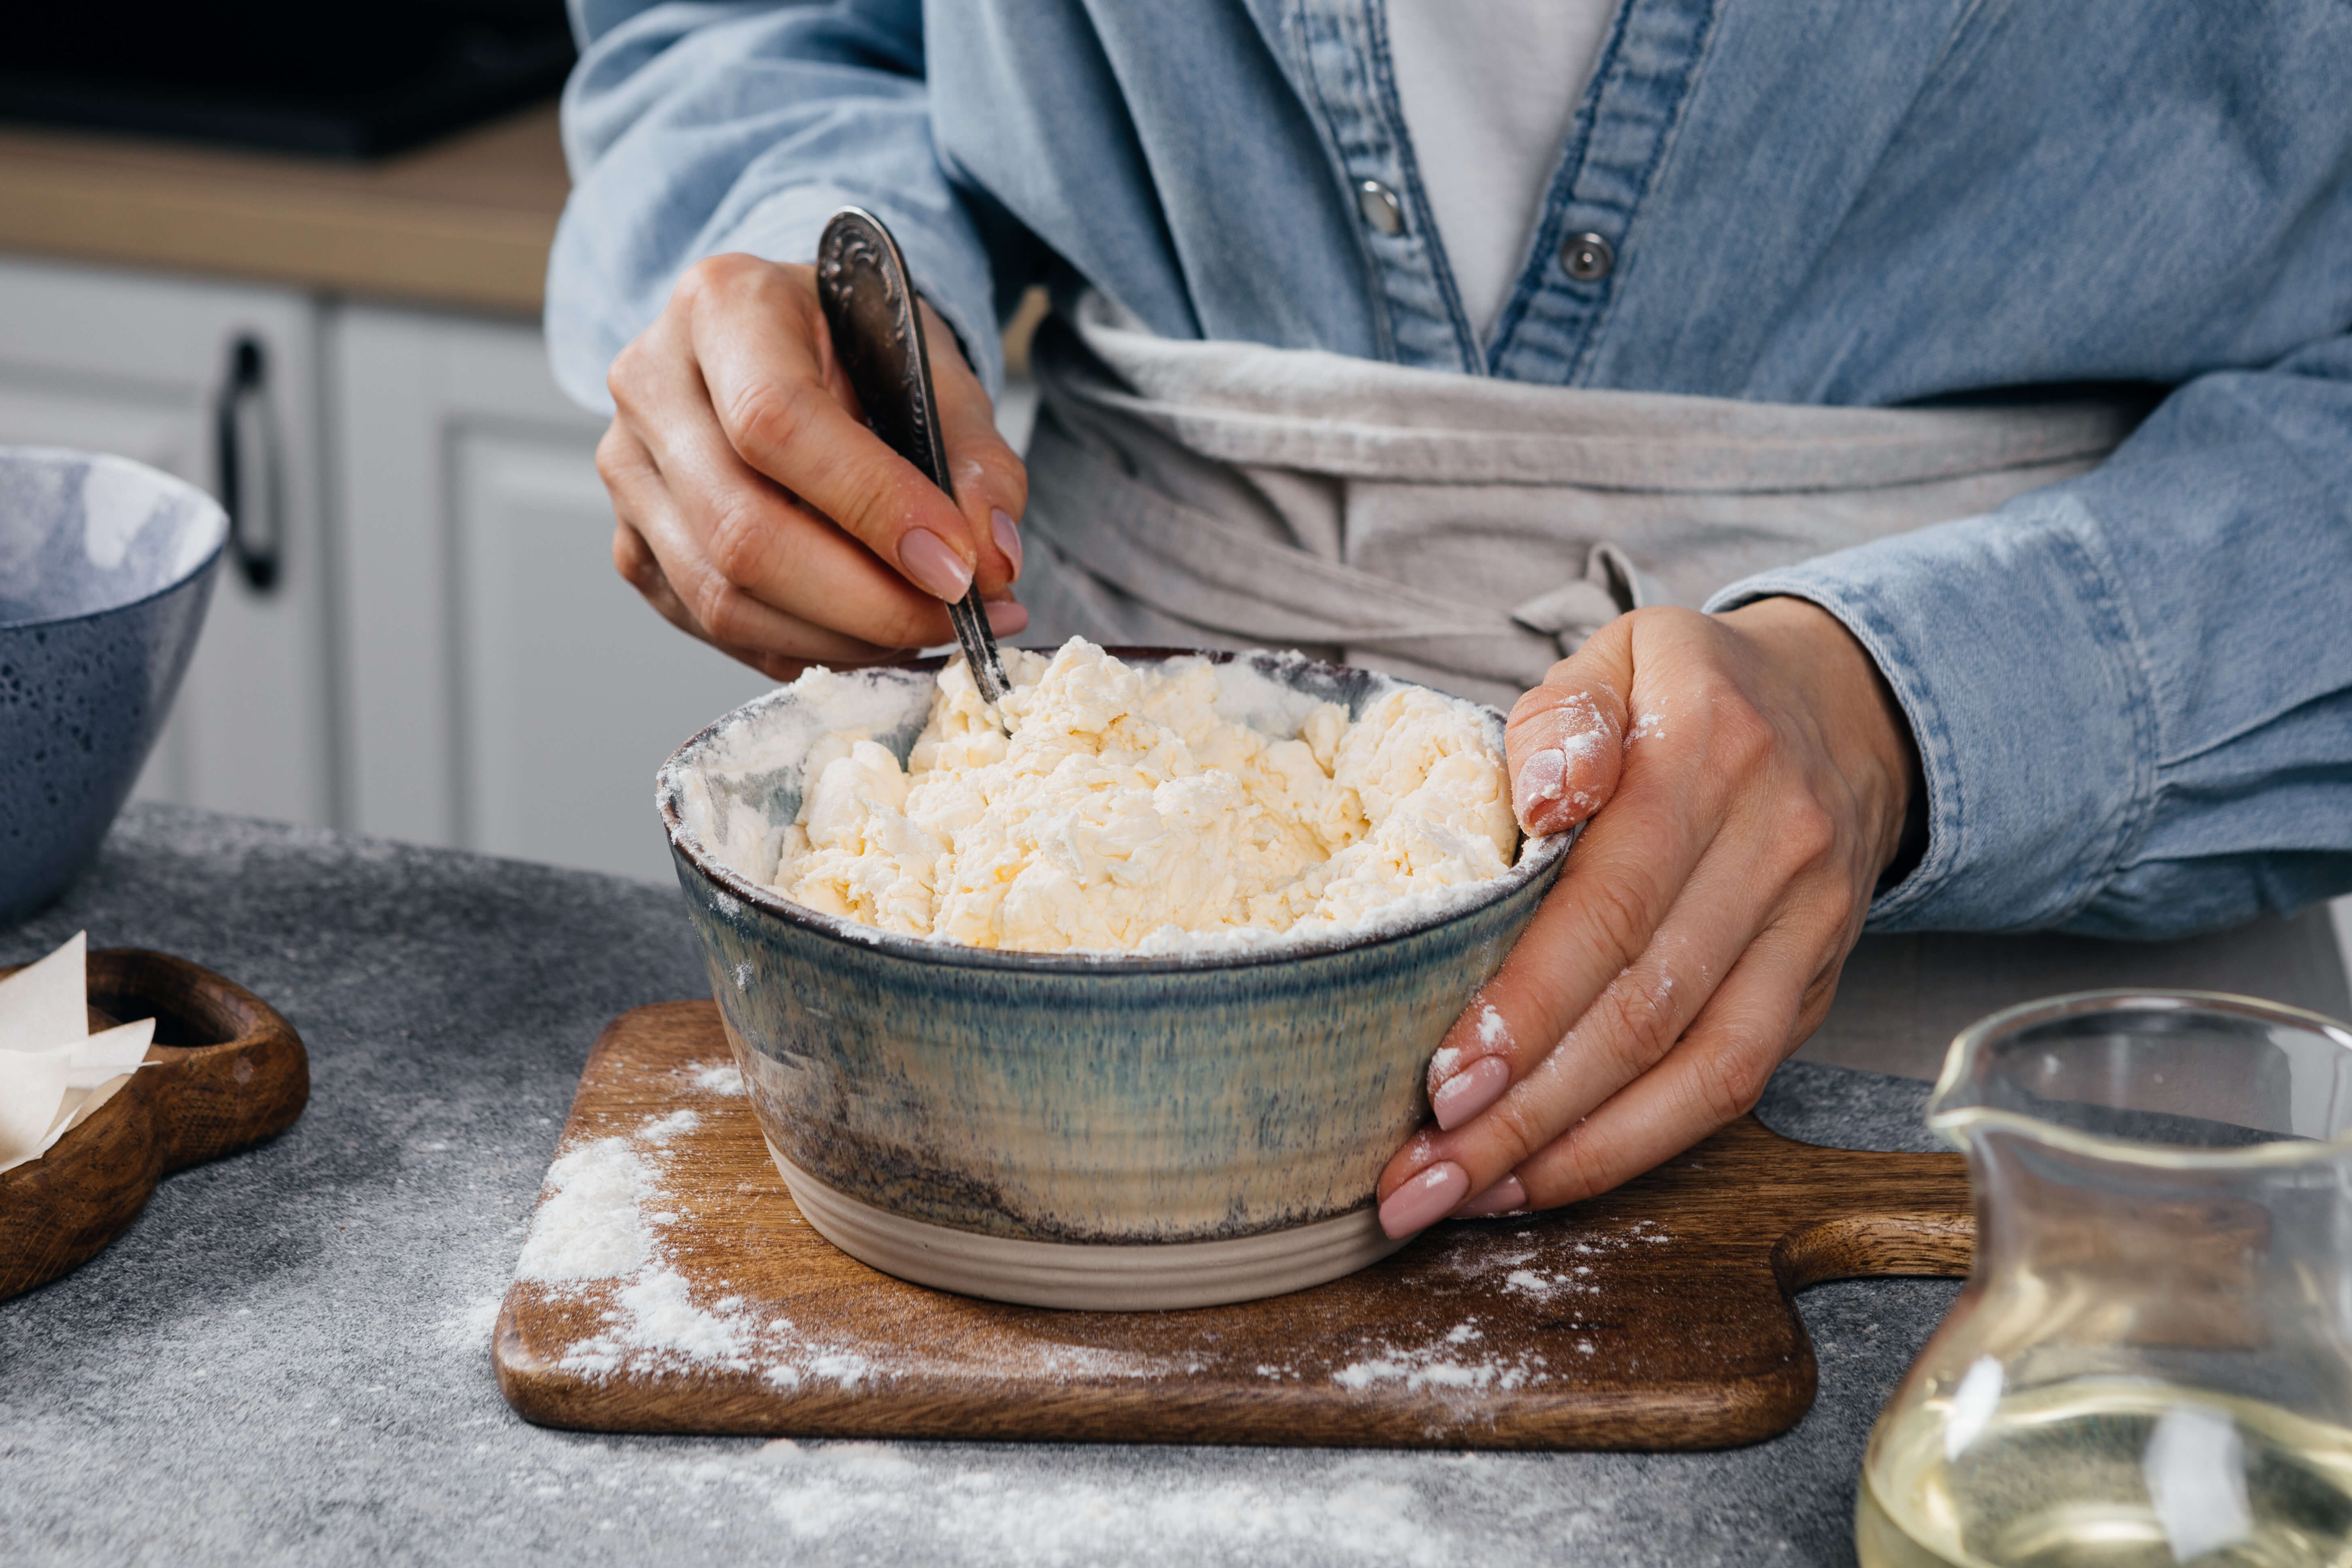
[1125, 813]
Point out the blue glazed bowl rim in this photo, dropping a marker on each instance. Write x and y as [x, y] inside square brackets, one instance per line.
[174, 481]
[1537, 857]
[173, 586]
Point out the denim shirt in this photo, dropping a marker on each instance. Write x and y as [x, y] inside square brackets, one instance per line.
[2132, 693]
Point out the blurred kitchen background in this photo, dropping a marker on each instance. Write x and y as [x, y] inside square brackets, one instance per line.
[294, 253]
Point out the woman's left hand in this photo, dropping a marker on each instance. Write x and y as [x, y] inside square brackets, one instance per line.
[1747, 776]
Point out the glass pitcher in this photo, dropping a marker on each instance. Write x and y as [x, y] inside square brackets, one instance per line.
[2152, 1361]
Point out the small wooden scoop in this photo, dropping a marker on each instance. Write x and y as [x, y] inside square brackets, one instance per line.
[227, 1070]
[861, 280]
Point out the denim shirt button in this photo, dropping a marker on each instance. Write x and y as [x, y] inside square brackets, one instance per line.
[1588, 257]
[1379, 205]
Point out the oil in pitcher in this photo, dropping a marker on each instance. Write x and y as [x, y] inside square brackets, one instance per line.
[2152, 1361]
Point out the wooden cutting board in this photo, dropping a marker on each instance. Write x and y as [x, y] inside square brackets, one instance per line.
[1655, 1317]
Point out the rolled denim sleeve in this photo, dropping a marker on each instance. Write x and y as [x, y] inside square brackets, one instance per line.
[2132, 691]
[694, 130]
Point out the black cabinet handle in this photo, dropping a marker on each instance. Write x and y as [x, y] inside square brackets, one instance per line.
[257, 548]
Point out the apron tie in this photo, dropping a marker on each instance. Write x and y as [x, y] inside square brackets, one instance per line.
[1611, 586]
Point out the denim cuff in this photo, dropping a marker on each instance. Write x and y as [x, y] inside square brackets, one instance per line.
[948, 271]
[2015, 658]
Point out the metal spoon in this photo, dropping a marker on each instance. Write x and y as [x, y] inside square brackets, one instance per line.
[861, 281]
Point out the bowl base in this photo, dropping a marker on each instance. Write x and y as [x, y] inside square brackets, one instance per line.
[1090, 1278]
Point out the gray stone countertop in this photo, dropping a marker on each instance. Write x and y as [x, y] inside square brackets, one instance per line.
[287, 1357]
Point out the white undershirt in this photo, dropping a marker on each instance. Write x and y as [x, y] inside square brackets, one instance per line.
[1488, 87]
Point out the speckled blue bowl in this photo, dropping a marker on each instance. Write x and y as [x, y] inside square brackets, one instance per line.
[1063, 1129]
[106, 568]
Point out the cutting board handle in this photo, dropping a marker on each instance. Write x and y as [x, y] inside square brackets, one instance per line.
[1854, 1247]
[1866, 1212]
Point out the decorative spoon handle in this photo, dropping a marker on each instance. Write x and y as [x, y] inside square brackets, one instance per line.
[861, 280]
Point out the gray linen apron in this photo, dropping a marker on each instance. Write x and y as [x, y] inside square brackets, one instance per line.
[1466, 533]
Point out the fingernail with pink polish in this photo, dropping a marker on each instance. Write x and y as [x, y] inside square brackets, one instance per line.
[1501, 1198]
[1424, 1200]
[1006, 617]
[934, 568]
[1470, 1091]
[1008, 538]
[1543, 780]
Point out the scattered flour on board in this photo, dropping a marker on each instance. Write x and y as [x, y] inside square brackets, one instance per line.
[600, 1229]
[591, 1225]
[1641, 1230]
[662, 1129]
[1451, 1361]
[599, 1234]
[719, 1077]
[1576, 1279]
[1541, 1272]
[977, 1509]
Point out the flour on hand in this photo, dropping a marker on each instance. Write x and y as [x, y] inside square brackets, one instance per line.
[1123, 812]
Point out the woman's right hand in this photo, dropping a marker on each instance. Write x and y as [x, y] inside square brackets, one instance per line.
[758, 513]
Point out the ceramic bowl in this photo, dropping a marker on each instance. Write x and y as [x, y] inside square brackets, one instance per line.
[1068, 1129]
[106, 568]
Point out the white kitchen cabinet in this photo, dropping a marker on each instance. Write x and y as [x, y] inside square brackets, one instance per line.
[505, 691]
[124, 362]
[446, 654]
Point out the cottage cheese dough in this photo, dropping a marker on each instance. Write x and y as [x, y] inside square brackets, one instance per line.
[1124, 814]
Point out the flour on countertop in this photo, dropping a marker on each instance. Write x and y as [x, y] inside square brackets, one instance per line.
[470, 1328]
[839, 1492]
